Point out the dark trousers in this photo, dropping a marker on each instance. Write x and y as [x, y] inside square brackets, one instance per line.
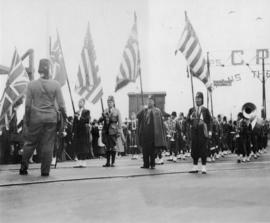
[149, 155]
[41, 135]
[196, 160]
[109, 155]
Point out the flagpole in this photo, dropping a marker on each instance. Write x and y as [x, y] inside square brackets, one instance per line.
[188, 72]
[67, 76]
[192, 88]
[209, 92]
[141, 88]
[135, 21]
[102, 106]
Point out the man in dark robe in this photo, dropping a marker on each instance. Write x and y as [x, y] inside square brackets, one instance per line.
[151, 133]
[82, 134]
[200, 120]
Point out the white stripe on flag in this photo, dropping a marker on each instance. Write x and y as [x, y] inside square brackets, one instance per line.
[204, 73]
[83, 73]
[189, 43]
[182, 38]
[198, 64]
[130, 59]
[95, 93]
[88, 67]
[194, 54]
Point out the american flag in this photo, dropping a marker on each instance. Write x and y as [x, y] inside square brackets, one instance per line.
[130, 66]
[190, 46]
[58, 64]
[15, 88]
[88, 84]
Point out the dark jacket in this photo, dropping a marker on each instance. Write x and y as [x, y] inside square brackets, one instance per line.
[198, 138]
[158, 127]
[82, 132]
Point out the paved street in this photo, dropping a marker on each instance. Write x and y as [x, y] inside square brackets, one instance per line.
[230, 192]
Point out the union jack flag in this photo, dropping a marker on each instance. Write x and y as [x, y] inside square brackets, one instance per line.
[88, 84]
[15, 88]
[58, 64]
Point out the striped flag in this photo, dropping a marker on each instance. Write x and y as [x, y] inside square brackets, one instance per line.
[88, 84]
[15, 88]
[59, 71]
[130, 67]
[190, 46]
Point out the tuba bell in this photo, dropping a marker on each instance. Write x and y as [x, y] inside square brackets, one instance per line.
[249, 110]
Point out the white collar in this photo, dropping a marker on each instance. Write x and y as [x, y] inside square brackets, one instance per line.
[253, 123]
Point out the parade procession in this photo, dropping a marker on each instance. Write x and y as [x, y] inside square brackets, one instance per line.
[134, 111]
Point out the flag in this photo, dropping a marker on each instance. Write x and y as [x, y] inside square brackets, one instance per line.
[88, 84]
[59, 71]
[15, 88]
[130, 66]
[190, 46]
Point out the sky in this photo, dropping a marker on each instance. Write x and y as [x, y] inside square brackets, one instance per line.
[221, 26]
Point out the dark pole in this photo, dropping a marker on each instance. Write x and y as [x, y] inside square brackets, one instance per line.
[102, 107]
[191, 82]
[71, 98]
[263, 88]
[188, 71]
[141, 87]
[209, 92]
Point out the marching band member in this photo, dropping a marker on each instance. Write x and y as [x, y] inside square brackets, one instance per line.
[200, 119]
[180, 129]
[172, 137]
[132, 128]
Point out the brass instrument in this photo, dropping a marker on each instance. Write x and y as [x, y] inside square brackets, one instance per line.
[171, 129]
[249, 111]
[133, 124]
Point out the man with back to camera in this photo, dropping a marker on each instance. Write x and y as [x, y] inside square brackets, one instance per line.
[41, 118]
[200, 120]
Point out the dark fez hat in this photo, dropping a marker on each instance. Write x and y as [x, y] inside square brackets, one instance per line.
[199, 95]
[44, 66]
[110, 98]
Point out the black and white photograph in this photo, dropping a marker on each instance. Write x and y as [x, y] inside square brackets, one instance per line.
[134, 111]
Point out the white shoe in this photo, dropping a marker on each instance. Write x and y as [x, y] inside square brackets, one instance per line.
[174, 159]
[170, 158]
[167, 154]
[195, 169]
[83, 163]
[213, 159]
[78, 164]
[178, 156]
[203, 169]
[53, 161]
[209, 159]
[161, 161]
